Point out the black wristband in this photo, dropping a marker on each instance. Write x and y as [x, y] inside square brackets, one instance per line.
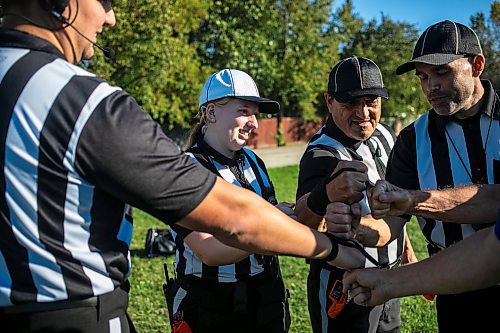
[318, 199]
[335, 247]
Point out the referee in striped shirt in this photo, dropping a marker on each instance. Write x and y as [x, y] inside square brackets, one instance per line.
[456, 144]
[352, 132]
[74, 152]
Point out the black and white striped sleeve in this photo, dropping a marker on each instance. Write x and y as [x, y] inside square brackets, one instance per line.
[125, 153]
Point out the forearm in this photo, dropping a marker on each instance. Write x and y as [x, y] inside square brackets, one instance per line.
[372, 232]
[211, 251]
[468, 204]
[379, 232]
[306, 216]
[240, 218]
[468, 265]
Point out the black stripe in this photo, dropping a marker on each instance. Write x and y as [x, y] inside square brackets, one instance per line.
[181, 263]
[242, 269]
[475, 150]
[444, 175]
[383, 254]
[16, 256]
[383, 139]
[52, 180]
[103, 238]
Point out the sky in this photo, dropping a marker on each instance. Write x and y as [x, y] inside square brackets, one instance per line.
[421, 13]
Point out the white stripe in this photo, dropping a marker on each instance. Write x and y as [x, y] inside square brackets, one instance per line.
[115, 325]
[21, 163]
[336, 71]
[324, 276]
[179, 296]
[456, 137]
[425, 163]
[5, 283]
[423, 42]
[101, 92]
[387, 135]
[359, 71]
[77, 221]
[492, 149]
[77, 215]
[8, 57]
[262, 173]
[456, 37]
[328, 141]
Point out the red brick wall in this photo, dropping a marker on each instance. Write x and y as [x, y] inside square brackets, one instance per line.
[294, 130]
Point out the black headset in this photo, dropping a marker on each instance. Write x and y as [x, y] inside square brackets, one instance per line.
[57, 6]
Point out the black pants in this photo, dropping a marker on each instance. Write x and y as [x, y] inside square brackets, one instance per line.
[106, 313]
[353, 318]
[254, 306]
[468, 312]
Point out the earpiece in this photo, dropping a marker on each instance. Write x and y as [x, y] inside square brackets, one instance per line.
[57, 6]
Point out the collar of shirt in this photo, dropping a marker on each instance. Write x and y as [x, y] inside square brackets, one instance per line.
[22, 40]
[491, 107]
[218, 157]
[333, 131]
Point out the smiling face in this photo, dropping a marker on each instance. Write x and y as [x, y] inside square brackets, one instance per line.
[449, 88]
[230, 124]
[92, 17]
[356, 118]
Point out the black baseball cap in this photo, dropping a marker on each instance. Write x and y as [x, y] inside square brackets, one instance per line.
[441, 44]
[354, 77]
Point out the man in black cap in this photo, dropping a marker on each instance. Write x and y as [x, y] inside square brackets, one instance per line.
[454, 144]
[351, 133]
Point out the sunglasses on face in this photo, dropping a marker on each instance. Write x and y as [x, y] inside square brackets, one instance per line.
[106, 4]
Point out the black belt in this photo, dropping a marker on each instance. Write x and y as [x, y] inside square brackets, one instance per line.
[90, 302]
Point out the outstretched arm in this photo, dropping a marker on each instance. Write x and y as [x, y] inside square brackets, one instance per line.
[240, 218]
[467, 204]
[468, 265]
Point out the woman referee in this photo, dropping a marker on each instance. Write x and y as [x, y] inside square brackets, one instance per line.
[221, 288]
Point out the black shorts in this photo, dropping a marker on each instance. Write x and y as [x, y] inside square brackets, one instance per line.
[102, 314]
[468, 312]
[207, 306]
[353, 318]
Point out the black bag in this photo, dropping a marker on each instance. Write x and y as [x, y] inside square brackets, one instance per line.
[159, 242]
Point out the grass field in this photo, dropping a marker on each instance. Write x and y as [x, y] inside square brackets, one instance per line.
[147, 305]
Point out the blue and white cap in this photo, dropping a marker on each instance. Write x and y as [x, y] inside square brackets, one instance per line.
[237, 84]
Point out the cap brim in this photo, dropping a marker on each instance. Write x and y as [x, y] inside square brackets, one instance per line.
[265, 105]
[347, 96]
[435, 59]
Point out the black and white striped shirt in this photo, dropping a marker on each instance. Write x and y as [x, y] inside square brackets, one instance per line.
[245, 170]
[438, 152]
[329, 146]
[73, 151]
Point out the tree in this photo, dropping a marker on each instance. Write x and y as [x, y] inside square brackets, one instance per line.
[282, 44]
[156, 62]
[389, 44]
[488, 32]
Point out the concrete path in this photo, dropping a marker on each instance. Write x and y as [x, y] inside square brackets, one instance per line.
[275, 157]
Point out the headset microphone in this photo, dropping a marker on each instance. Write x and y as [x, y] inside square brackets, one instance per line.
[107, 51]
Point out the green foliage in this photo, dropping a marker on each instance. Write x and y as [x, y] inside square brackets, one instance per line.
[488, 31]
[156, 63]
[167, 48]
[389, 44]
[280, 43]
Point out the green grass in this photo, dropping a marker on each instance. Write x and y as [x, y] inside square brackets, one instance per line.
[147, 305]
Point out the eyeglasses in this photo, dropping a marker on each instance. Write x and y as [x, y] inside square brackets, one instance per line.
[106, 4]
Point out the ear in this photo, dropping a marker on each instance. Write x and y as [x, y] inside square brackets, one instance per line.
[329, 102]
[210, 113]
[478, 65]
